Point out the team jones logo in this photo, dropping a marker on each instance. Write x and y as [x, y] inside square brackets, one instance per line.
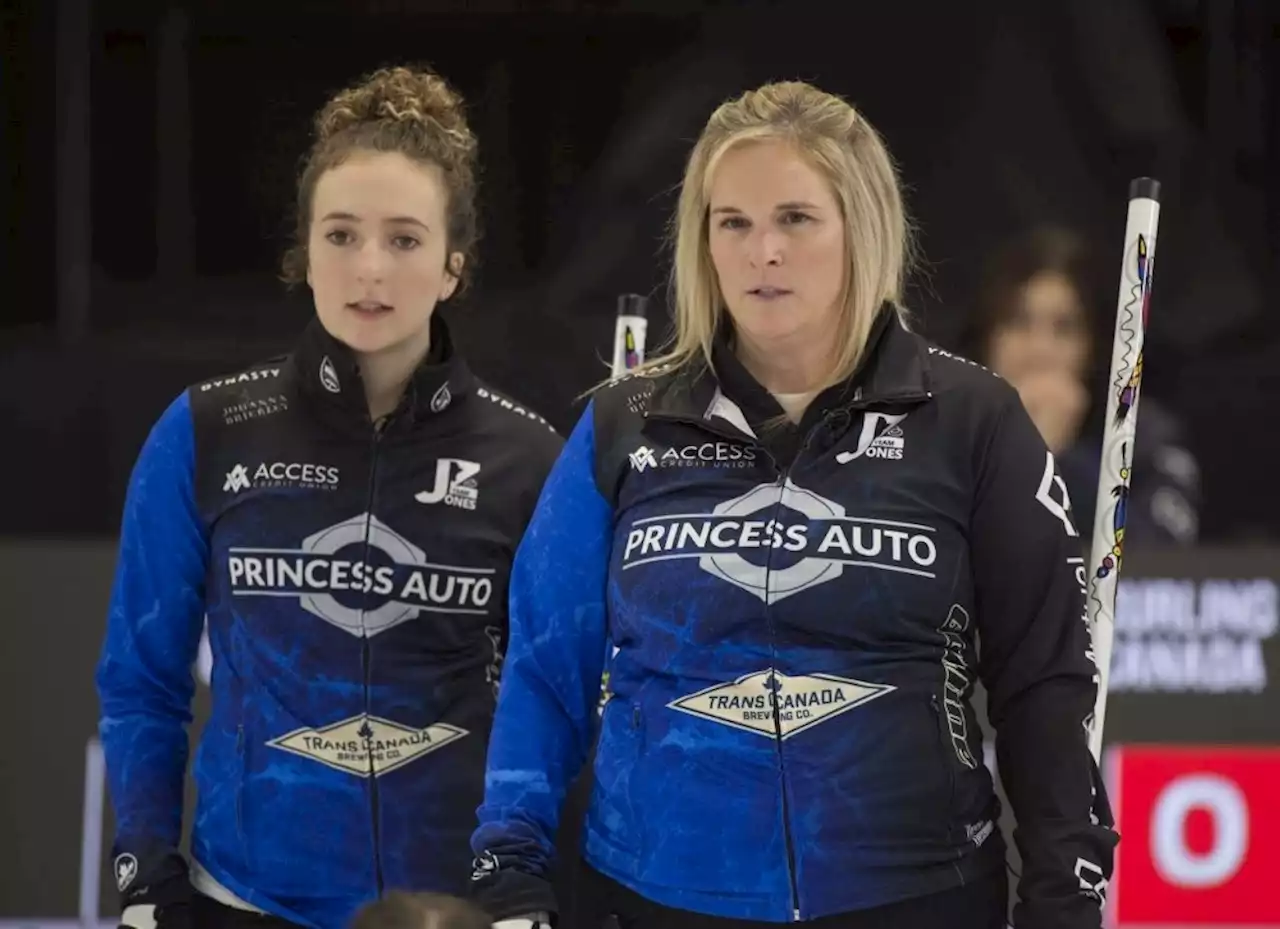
[775, 542]
[455, 484]
[881, 437]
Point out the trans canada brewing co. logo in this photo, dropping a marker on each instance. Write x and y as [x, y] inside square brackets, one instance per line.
[367, 745]
[799, 701]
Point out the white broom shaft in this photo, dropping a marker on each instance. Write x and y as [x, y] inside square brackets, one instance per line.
[630, 332]
[1115, 471]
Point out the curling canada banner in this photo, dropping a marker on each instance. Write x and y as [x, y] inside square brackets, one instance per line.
[1179, 635]
[1196, 653]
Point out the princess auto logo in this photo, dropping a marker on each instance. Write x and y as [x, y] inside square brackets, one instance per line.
[775, 541]
[361, 576]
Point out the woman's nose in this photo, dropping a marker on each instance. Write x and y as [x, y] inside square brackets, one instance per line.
[371, 261]
[766, 248]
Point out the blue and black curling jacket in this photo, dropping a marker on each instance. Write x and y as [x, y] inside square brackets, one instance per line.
[354, 580]
[793, 621]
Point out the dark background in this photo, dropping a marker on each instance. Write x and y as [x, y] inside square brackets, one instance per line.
[150, 149]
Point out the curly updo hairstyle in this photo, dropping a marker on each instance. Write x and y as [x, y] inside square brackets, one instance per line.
[412, 111]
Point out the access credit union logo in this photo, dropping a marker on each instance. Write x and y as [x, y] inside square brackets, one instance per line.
[1200, 836]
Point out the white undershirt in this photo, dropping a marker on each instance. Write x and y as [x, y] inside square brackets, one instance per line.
[207, 884]
[795, 404]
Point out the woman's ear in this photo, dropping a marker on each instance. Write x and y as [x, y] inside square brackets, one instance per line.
[453, 274]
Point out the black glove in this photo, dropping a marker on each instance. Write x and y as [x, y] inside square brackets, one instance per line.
[504, 893]
[155, 891]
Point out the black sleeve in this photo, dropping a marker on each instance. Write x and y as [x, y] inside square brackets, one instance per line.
[1037, 664]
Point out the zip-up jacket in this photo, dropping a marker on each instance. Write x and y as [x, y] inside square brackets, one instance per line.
[793, 621]
[354, 578]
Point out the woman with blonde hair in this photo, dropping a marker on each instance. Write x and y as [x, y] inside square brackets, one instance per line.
[798, 539]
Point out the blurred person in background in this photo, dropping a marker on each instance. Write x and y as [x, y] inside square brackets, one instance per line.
[346, 517]
[400, 910]
[789, 532]
[1037, 324]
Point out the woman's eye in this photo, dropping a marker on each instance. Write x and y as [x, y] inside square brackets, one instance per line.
[405, 242]
[338, 236]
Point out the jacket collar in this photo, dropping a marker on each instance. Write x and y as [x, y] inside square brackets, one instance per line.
[895, 369]
[329, 377]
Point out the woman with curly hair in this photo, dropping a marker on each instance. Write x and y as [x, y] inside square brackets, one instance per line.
[345, 518]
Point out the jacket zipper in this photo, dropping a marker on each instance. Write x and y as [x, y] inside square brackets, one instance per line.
[783, 475]
[366, 662]
[244, 767]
